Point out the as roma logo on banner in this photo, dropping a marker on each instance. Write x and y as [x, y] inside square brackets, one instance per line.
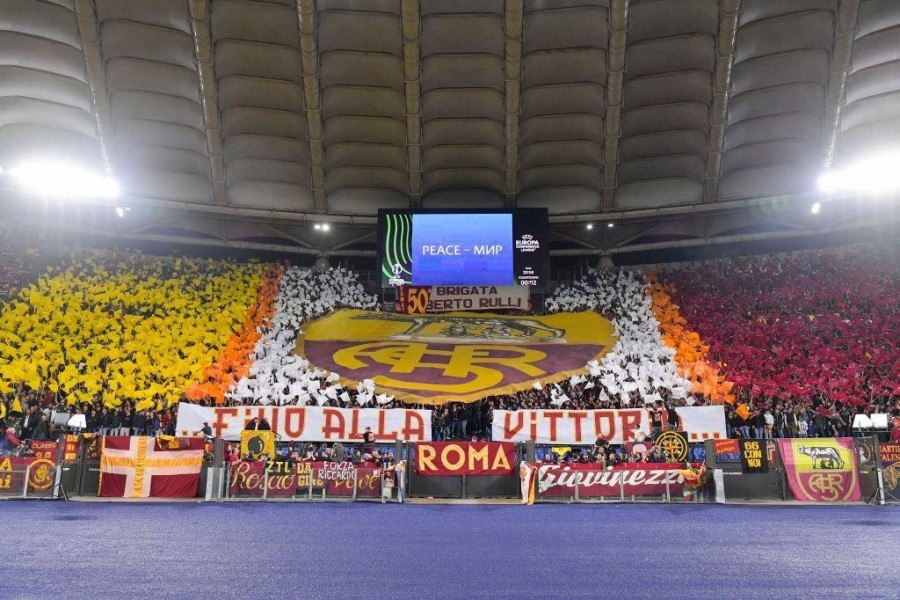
[822, 469]
[455, 356]
[464, 458]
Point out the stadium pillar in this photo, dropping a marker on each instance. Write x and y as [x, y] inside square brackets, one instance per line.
[218, 462]
[530, 455]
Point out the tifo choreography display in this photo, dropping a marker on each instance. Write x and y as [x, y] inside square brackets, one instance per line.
[609, 373]
[454, 356]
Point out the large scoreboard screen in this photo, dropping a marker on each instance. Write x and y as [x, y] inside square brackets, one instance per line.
[466, 247]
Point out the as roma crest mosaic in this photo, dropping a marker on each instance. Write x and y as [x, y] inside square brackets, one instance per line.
[454, 356]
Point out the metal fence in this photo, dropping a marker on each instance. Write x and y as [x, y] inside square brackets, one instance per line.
[35, 480]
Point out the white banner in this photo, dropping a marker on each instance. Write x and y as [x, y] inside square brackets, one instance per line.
[702, 422]
[309, 423]
[445, 298]
[570, 426]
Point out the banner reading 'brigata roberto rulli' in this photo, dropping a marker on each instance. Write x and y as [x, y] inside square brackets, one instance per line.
[309, 423]
[570, 426]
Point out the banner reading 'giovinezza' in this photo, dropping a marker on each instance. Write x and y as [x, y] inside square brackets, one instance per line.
[309, 423]
[570, 426]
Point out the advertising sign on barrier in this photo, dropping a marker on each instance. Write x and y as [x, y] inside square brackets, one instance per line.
[287, 479]
[309, 423]
[890, 462]
[570, 426]
[727, 451]
[821, 469]
[465, 458]
[592, 480]
[12, 474]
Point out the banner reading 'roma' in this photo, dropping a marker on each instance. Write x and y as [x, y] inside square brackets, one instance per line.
[465, 458]
[455, 356]
[821, 469]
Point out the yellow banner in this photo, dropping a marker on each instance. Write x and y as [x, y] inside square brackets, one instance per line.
[456, 356]
[256, 443]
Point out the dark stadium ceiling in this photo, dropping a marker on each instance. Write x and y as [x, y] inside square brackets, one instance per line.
[240, 123]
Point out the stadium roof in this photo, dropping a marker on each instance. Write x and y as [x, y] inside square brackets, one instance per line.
[245, 121]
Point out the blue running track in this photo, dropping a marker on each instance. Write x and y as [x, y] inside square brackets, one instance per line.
[254, 550]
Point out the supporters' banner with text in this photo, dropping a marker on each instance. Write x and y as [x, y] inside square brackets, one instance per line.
[479, 297]
[44, 449]
[309, 423]
[285, 479]
[454, 356]
[821, 469]
[465, 458]
[753, 456]
[592, 480]
[143, 467]
[890, 463]
[13, 469]
[570, 426]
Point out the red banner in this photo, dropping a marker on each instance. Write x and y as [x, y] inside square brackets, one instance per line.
[71, 450]
[12, 474]
[890, 462]
[594, 481]
[44, 449]
[465, 458]
[284, 479]
[143, 467]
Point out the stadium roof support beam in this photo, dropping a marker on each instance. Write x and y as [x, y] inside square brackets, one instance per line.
[355, 240]
[615, 77]
[280, 232]
[410, 23]
[574, 239]
[203, 52]
[514, 15]
[729, 13]
[89, 32]
[724, 239]
[848, 10]
[312, 97]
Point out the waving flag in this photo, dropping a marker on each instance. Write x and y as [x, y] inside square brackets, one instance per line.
[142, 467]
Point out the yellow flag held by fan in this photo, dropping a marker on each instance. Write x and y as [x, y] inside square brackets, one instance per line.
[256, 443]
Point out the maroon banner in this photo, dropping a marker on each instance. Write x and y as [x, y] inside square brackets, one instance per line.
[286, 479]
[890, 462]
[12, 474]
[465, 458]
[44, 449]
[594, 481]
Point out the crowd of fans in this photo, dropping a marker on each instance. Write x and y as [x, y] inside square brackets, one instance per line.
[809, 340]
[16, 266]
